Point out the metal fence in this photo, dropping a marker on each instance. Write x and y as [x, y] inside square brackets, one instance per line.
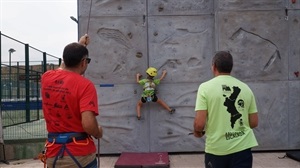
[20, 99]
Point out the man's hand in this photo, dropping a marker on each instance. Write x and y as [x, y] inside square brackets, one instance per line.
[100, 132]
[199, 134]
[84, 40]
[90, 124]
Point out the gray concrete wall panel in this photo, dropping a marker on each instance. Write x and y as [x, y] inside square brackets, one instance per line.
[169, 132]
[122, 131]
[294, 115]
[272, 103]
[293, 4]
[294, 43]
[260, 51]
[251, 5]
[118, 49]
[181, 37]
[112, 7]
[180, 7]
[183, 45]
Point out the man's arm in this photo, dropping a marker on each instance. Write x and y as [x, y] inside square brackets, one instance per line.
[253, 120]
[90, 124]
[163, 75]
[199, 122]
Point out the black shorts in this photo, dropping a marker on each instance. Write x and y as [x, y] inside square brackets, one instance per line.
[154, 99]
[242, 159]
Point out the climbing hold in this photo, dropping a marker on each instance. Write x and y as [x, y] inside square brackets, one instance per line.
[139, 55]
[296, 74]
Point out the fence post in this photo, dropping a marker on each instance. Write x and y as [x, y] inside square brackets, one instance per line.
[27, 87]
[44, 62]
[0, 70]
[37, 95]
[18, 80]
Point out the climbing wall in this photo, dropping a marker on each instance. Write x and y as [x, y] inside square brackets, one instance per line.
[181, 36]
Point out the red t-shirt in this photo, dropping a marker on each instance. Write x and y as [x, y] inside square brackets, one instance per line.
[65, 95]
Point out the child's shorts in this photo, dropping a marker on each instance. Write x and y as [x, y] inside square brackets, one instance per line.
[154, 98]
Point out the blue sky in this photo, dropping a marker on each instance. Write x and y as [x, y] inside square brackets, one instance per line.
[43, 24]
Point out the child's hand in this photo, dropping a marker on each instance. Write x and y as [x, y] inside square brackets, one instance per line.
[138, 75]
[164, 72]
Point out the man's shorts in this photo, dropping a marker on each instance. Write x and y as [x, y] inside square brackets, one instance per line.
[68, 162]
[242, 159]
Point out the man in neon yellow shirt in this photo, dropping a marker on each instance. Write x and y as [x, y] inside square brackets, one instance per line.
[226, 109]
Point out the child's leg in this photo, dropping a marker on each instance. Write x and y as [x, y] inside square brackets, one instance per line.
[138, 109]
[162, 103]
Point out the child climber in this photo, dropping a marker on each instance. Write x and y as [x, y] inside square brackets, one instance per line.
[149, 91]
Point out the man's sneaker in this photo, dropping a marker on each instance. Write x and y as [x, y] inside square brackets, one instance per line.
[138, 117]
[172, 111]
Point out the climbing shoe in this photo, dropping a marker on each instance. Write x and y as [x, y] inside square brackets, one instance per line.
[172, 111]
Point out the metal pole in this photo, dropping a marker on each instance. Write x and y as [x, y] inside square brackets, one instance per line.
[77, 22]
[44, 63]
[9, 75]
[27, 84]
[18, 80]
[11, 50]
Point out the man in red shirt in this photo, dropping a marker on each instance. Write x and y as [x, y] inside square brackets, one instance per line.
[70, 107]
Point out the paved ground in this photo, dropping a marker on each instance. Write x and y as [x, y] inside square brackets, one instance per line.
[261, 160]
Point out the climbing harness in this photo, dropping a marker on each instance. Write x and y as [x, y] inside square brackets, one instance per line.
[42, 157]
[149, 98]
[149, 90]
[149, 85]
[64, 139]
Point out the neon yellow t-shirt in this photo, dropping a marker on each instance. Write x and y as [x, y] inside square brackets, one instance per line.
[229, 103]
[149, 86]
